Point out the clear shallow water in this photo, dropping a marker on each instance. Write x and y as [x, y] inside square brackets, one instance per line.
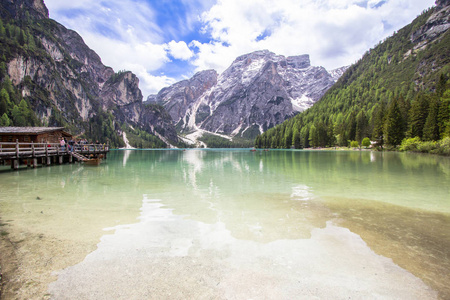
[233, 224]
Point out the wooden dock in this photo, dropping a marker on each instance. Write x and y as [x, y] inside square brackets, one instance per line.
[34, 154]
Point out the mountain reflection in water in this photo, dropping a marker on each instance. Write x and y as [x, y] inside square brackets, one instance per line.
[261, 224]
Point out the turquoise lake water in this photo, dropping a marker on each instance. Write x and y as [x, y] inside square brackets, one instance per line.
[235, 224]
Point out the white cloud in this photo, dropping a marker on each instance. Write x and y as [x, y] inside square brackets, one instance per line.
[179, 50]
[334, 33]
[123, 33]
[126, 33]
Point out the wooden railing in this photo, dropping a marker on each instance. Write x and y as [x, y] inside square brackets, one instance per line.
[44, 153]
[23, 150]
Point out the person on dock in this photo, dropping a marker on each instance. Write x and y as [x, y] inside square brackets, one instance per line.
[62, 143]
[71, 144]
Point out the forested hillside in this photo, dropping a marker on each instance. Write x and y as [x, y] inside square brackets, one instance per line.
[50, 77]
[14, 109]
[399, 89]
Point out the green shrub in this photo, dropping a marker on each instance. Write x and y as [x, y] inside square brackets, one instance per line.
[444, 146]
[365, 142]
[354, 144]
[410, 144]
[441, 147]
[427, 147]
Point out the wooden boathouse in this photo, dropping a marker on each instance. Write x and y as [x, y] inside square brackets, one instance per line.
[33, 134]
[32, 146]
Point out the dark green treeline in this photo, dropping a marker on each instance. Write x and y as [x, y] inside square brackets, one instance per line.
[394, 92]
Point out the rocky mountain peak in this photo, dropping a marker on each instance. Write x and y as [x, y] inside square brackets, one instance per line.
[435, 26]
[258, 91]
[442, 3]
[14, 9]
[179, 97]
[299, 62]
[253, 55]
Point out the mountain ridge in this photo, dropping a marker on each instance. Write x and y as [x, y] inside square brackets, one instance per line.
[258, 91]
[64, 83]
[397, 90]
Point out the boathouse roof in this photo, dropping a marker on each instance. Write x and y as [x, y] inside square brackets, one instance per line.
[30, 130]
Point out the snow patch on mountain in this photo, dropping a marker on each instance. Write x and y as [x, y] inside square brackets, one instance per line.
[258, 91]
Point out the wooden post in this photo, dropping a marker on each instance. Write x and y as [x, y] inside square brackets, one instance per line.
[49, 160]
[70, 159]
[35, 162]
[17, 149]
[15, 164]
[60, 159]
[32, 149]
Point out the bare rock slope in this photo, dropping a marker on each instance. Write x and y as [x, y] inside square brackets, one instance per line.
[258, 91]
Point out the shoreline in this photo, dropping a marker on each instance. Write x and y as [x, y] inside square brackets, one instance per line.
[29, 268]
[29, 261]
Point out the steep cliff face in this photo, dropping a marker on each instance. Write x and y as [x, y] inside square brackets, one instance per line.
[407, 73]
[23, 9]
[258, 91]
[66, 82]
[178, 98]
[437, 24]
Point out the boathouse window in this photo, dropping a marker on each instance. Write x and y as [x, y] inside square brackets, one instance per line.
[26, 139]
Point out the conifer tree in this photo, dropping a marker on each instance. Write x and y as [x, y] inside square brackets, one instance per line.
[5, 102]
[297, 139]
[418, 115]
[361, 126]
[18, 117]
[394, 123]
[378, 125]
[21, 37]
[2, 69]
[313, 136]
[2, 29]
[444, 115]
[431, 128]
[351, 126]
[30, 41]
[304, 135]
[258, 141]
[441, 85]
[8, 30]
[4, 120]
[405, 106]
[288, 138]
[3, 107]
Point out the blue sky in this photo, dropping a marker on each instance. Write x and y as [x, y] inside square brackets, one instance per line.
[164, 41]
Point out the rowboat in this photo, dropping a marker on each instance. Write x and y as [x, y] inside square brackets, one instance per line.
[93, 161]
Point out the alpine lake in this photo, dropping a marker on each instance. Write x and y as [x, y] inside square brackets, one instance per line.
[229, 224]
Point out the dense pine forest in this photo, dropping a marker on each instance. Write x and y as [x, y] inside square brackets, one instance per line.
[20, 37]
[23, 37]
[397, 93]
